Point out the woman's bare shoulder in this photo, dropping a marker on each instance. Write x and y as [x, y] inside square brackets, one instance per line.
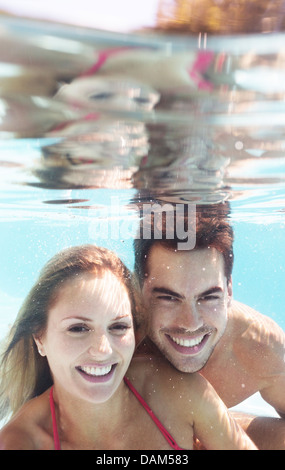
[157, 373]
[28, 429]
[14, 437]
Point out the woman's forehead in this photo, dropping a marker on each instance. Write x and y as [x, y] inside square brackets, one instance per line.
[85, 290]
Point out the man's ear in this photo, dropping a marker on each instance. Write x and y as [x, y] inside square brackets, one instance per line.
[230, 292]
[39, 343]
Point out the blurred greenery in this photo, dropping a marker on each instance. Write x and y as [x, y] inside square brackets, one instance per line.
[221, 16]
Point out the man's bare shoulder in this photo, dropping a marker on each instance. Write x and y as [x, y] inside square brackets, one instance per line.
[258, 340]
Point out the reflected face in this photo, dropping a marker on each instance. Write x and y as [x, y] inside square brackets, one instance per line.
[110, 93]
[89, 340]
[186, 296]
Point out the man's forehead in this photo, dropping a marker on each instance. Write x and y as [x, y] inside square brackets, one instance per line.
[173, 271]
[163, 257]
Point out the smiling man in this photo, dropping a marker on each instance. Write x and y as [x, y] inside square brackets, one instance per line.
[191, 318]
[187, 315]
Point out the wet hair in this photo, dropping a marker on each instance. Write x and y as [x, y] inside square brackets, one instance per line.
[213, 230]
[25, 374]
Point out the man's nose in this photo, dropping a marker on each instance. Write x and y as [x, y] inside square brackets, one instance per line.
[190, 317]
[100, 346]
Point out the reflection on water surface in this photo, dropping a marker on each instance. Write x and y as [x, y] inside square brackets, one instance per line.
[164, 116]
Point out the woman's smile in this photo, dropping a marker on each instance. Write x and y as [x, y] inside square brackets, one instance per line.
[97, 373]
[89, 339]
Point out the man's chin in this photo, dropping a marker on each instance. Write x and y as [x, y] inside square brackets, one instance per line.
[187, 364]
[186, 367]
[182, 362]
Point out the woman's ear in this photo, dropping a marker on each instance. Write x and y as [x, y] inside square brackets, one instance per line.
[38, 341]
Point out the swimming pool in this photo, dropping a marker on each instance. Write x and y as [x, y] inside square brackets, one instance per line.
[77, 162]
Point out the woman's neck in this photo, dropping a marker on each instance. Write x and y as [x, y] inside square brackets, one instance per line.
[82, 424]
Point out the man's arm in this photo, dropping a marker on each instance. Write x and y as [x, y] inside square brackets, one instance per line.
[273, 362]
[267, 433]
[274, 394]
[214, 425]
[261, 350]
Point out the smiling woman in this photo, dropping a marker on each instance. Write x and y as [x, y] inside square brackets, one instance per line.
[67, 378]
[50, 294]
[90, 329]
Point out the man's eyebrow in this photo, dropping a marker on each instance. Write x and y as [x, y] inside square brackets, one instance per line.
[164, 290]
[213, 290]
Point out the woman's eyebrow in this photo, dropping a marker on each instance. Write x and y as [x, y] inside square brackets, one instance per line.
[166, 291]
[121, 317]
[76, 318]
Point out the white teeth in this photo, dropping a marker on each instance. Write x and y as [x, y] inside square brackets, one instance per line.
[96, 371]
[188, 342]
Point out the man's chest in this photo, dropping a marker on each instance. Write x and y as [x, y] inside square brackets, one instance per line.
[230, 379]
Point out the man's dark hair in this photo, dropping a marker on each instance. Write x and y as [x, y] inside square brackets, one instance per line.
[213, 230]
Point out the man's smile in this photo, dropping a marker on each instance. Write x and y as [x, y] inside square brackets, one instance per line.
[188, 345]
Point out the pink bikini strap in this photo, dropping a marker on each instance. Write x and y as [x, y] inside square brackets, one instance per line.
[200, 65]
[164, 431]
[103, 56]
[54, 425]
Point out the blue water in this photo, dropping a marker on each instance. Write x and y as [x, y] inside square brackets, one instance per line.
[259, 269]
[137, 138]
[30, 237]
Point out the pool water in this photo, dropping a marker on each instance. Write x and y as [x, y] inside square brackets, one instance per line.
[157, 118]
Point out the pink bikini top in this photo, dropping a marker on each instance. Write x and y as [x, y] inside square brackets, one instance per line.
[164, 431]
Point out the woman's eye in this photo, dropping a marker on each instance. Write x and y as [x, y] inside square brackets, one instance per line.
[104, 95]
[120, 327]
[78, 329]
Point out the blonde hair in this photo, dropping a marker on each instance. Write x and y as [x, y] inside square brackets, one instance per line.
[25, 374]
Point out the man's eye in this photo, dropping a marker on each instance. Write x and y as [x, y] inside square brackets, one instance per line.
[209, 298]
[141, 100]
[167, 298]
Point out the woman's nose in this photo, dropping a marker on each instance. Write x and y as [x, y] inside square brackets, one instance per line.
[100, 346]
